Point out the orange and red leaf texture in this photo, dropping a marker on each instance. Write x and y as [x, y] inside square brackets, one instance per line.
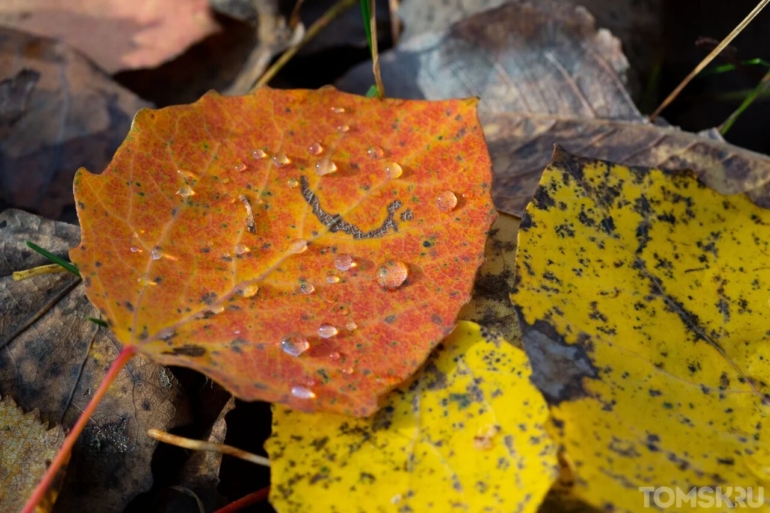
[302, 247]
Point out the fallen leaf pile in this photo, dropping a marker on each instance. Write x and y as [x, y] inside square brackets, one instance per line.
[341, 258]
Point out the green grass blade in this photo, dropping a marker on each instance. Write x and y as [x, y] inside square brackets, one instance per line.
[53, 258]
[373, 92]
[760, 89]
[367, 14]
[98, 322]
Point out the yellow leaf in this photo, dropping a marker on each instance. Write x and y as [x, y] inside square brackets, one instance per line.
[643, 298]
[466, 433]
[26, 448]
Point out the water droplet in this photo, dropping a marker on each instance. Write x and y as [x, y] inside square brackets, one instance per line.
[316, 148]
[217, 309]
[332, 279]
[134, 249]
[294, 344]
[166, 333]
[156, 253]
[240, 166]
[143, 280]
[249, 290]
[325, 167]
[185, 191]
[393, 170]
[301, 392]
[392, 274]
[348, 370]
[351, 326]
[280, 159]
[375, 152]
[306, 288]
[236, 332]
[335, 355]
[343, 128]
[241, 249]
[259, 154]
[327, 331]
[338, 110]
[395, 499]
[446, 201]
[297, 246]
[291, 182]
[187, 175]
[344, 262]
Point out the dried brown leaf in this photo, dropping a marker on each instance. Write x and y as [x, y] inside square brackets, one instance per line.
[116, 34]
[52, 358]
[57, 112]
[26, 446]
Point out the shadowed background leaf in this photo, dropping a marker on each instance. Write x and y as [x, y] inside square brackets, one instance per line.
[58, 112]
[467, 431]
[643, 298]
[115, 34]
[52, 358]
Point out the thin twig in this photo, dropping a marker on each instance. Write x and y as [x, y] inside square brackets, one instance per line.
[313, 31]
[199, 445]
[710, 57]
[248, 500]
[294, 19]
[395, 22]
[37, 271]
[375, 52]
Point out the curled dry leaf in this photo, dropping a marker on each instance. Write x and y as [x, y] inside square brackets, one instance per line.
[302, 247]
[26, 447]
[546, 76]
[58, 112]
[117, 35]
[466, 432]
[642, 297]
[53, 358]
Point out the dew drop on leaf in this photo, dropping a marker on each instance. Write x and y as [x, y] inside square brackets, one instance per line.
[294, 344]
[344, 262]
[393, 170]
[332, 279]
[185, 191]
[241, 249]
[291, 182]
[334, 355]
[240, 166]
[143, 280]
[316, 148]
[327, 331]
[259, 154]
[217, 309]
[392, 274]
[338, 110]
[166, 333]
[134, 249]
[301, 392]
[156, 253]
[446, 201]
[343, 128]
[351, 326]
[250, 290]
[280, 159]
[297, 246]
[325, 167]
[375, 152]
[348, 370]
[306, 288]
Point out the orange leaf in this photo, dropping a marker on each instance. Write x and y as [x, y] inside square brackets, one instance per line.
[302, 247]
